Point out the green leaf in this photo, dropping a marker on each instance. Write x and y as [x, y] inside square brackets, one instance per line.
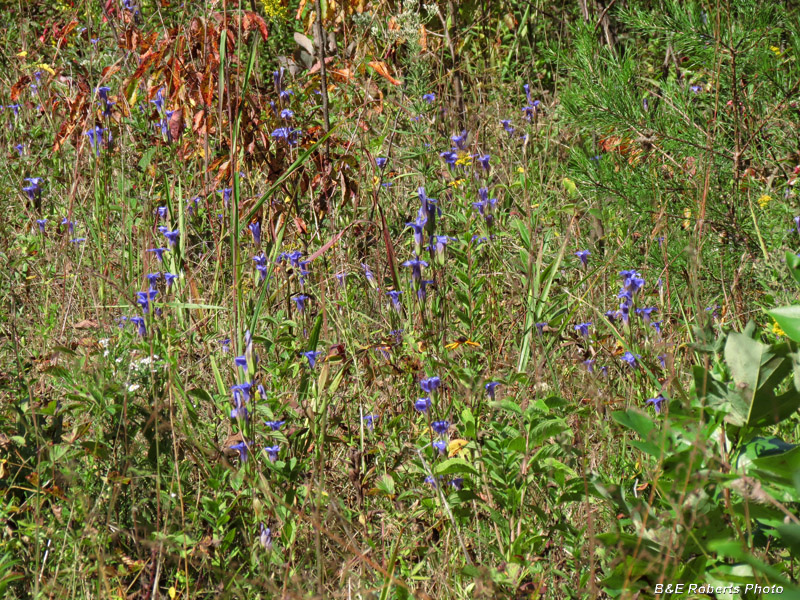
[757, 369]
[635, 420]
[788, 317]
[453, 466]
[793, 264]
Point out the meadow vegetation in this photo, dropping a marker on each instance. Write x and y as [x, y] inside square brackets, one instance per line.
[481, 299]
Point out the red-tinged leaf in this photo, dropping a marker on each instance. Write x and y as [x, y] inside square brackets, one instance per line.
[175, 124]
[301, 225]
[197, 121]
[107, 72]
[251, 21]
[316, 67]
[63, 33]
[207, 86]
[382, 70]
[17, 88]
[145, 61]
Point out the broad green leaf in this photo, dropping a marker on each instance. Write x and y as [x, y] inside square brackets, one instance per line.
[788, 317]
[635, 420]
[453, 466]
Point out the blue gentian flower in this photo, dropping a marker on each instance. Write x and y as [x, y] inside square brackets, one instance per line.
[162, 212]
[507, 126]
[226, 347]
[15, 108]
[490, 388]
[78, 240]
[272, 452]
[662, 359]
[41, 223]
[265, 537]
[429, 98]
[70, 225]
[696, 88]
[294, 258]
[657, 403]
[226, 195]
[242, 390]
[20, 148]
[102, 92]
[422, 291]
[437, 245]
[460, 140]
[418, 227]
[153, 279]
[422, 404]
[312, 357]
[583, 329]
[646, 313]
[369, 421]
[255, 229]
[139, 322]
[540, 327]
[304, 271]
[159, 99]
[589, 363]
[657, 326]
[241, 448]
[240, 361]
[416, 265]
[440, 445]
[611, 315]
[381, 162]
[144, 299]
[340, 277]
[300, 301]
[159, 252]
[369, 275]
[274, 425]
[484, 162]
[429, 207]
[430, 384]
[630, 358]
[172, 237]
[288, 134]
[457, 483]
[95, 138]
[395, 297]
[170, 278]
[431, 481]
[239, 410]
[449, 157]
[287, 114]
[440, 427]
[583, 255]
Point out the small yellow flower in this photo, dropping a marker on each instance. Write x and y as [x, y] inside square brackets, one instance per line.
[687, 215]
[520, 170]
[777, 330]
[464, 160]
[764, 200]
[457, 183]
[776, 50]
[273, 9]
[46, 67]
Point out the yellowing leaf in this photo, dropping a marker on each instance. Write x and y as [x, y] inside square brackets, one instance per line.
[22, 54]
[383, 71]
[456, 448]
[172, 592]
